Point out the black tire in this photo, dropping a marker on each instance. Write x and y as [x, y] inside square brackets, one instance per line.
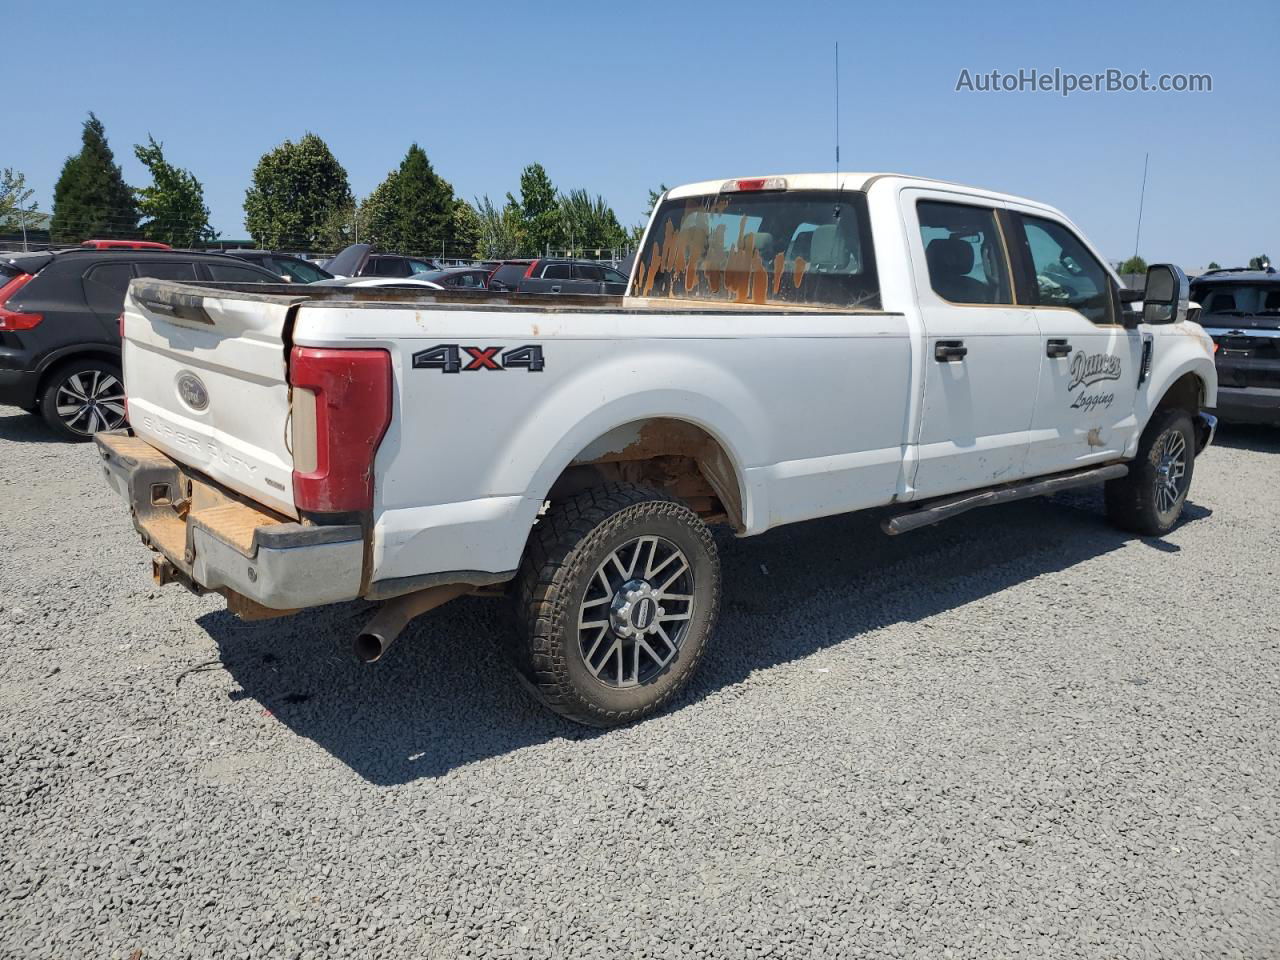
[559, 587]
[1135, 502]
[83, 397]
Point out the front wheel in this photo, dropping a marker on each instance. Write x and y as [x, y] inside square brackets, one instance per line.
[83, 398]
[617, 594]
[1150, 499]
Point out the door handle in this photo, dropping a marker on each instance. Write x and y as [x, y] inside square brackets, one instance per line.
[555, 288]
[945, 351]
[1057, 348]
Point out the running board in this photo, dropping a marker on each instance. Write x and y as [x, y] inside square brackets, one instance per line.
[940, 510]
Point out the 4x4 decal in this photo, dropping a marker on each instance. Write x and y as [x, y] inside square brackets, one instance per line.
[448, 358]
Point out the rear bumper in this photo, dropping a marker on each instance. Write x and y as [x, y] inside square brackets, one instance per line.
[18, 387]
[213, 542]
[1249, 404]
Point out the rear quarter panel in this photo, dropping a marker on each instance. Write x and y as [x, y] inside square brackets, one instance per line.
[469, 457]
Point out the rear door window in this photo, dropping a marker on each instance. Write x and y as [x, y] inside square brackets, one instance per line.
[233, 273]
[509, 274]
[556, 271]
[165, 270]
[964, 253]
[587, 271]
[105, 285]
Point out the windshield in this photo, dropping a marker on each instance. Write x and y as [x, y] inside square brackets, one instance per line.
[301, 271]
[1238, 299]
[811, 247]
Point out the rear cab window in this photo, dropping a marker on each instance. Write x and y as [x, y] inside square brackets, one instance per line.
[809, 247]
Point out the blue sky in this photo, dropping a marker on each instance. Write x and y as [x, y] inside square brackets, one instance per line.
[619, 97]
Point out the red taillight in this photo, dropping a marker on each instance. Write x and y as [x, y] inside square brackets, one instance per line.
[351, 393]
[120, 324]
[529, 273]
[10, 319]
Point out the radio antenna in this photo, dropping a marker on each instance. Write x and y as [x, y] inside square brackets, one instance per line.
[836, 213]
[1142, 196]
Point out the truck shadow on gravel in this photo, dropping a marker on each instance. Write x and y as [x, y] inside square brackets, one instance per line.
[1248, 436]
[443, 696]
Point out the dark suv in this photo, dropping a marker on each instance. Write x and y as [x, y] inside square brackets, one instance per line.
[553, 275]
[1240, 309]
[285, 265]
[60, 333]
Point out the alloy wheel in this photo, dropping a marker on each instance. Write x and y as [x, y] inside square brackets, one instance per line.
[1171, 470]
[90, 401]
[636, 611]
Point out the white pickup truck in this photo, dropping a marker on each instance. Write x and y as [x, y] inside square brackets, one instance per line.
[789, 348]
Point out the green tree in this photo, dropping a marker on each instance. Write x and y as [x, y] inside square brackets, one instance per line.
[297, 190]
[91, 198]
[1134, 264]
[466, 229]
[500, 229]
[654, 197]
[426, 206]
[174, 203]
[15, 197]
[412, 210]
[538, 207]
[378, 215]
[1259, 262]
[589, 224]
[1214, 265]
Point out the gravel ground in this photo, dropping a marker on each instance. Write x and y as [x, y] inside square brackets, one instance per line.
[1019, 734]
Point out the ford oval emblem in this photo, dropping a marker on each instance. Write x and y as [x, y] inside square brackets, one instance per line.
[192, 391]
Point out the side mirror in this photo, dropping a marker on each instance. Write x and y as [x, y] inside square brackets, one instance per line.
[1167, 295]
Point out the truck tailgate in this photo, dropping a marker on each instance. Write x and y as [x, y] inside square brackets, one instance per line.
[206, 379]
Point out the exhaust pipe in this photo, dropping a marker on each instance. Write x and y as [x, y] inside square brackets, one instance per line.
[380, 632]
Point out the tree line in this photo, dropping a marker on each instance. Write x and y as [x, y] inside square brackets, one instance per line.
[300, 198]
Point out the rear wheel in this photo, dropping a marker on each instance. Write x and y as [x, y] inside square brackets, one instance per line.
[1150, 499]
[617, 594]
[83, 398]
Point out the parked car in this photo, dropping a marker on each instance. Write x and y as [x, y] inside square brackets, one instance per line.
[60, 333]
[286, 266]
[359, 260]
[358, 282]
[459, 278]
[554, 275]
[1240, 309]
[795, 349]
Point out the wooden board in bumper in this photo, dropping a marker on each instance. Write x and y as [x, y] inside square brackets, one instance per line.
[222, 543]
